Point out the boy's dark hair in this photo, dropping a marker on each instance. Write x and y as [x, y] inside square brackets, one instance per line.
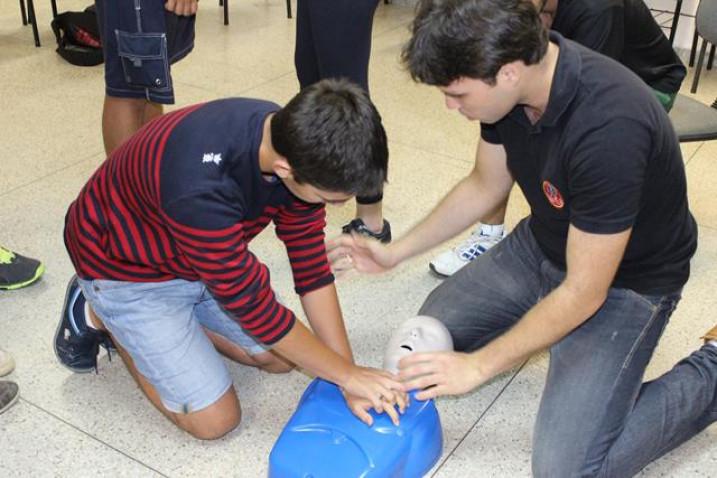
[472, 38]
[331, 135]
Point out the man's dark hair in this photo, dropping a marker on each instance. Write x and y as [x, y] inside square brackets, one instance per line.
[331, 135]
[472, 38]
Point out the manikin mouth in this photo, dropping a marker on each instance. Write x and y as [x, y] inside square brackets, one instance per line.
[407, 347]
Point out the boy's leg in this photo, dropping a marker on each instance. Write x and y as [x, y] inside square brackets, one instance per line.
[485, 298]
[266, 360]
[230, 339]
[167, 352]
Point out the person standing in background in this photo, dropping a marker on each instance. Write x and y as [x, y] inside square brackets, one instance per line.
[140, 40]
[333, 40]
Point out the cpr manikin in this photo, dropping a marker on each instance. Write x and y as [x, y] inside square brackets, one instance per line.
[324, 440]
[417, 334]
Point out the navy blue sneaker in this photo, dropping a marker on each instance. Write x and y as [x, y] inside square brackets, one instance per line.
[76, 344]
[361, 228]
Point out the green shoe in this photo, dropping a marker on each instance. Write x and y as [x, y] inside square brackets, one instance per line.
[9, 393]
[18, 271]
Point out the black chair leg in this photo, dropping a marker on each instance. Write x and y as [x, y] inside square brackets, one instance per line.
[700, 60]
[32, 19]
[23, 13]
[675, 19]
[712, 58]
[226, 11]
[53, 4]
[693, 51]
[288, 8]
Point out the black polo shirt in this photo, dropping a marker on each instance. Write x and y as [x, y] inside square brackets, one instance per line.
[603, 157]
[626, 31]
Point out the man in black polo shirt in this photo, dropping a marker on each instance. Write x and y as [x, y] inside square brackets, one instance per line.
[624, 30]
[593, 273]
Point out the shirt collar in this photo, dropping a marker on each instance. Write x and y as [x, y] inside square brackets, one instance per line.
[564, 86]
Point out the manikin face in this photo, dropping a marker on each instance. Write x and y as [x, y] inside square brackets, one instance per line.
[418, 334]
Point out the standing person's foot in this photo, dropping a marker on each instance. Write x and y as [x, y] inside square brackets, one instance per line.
[7, 363]
[18, 271]
[360, 227]
[76, 343]
[480, 241]
[9, 393]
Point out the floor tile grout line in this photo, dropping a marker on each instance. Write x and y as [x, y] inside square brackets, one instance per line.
[480, 417]
[239, 92]
[24, 400]
[50, 174]
[697, 150]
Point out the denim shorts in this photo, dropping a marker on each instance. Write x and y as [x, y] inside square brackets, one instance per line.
[140, 41]
[161, 326]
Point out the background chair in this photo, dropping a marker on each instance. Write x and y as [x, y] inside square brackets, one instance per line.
[225, 4]
[693, 120]
[28, 16]
[705, 27]
[667, 19]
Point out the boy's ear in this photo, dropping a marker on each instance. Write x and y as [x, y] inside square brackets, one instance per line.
[510, 73]
[282, 168]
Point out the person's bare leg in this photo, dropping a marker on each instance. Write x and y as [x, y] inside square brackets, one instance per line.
[267, 361]
[151, 111]
[372, 215]
[122, 117]
[210, 423]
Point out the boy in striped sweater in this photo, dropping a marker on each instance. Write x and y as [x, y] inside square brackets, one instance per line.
[159, 238]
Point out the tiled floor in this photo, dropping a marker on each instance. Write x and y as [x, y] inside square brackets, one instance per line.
[89, 425]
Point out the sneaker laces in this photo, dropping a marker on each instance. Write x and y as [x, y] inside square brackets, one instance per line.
[6, 256]
[472, 248]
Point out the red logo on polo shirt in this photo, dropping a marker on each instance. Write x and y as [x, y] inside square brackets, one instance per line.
[553, 194]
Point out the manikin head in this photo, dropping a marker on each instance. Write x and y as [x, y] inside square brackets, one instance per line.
[417, 334]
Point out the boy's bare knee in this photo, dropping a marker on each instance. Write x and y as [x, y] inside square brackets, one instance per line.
[213, 431]
[215, 421]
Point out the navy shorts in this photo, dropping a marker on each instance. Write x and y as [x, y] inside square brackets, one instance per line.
[140, 41]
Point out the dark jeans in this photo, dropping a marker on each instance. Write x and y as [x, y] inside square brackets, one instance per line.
[596, 416]
[333, 40]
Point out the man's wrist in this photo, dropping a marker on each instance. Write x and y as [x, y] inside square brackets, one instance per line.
[481, 367]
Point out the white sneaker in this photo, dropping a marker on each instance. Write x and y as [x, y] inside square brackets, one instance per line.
[480, 240]
[7, 363]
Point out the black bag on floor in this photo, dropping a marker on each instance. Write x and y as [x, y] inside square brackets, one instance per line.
[78, 37]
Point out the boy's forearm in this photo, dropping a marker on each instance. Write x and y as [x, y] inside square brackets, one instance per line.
[324, 313]
[304, 349]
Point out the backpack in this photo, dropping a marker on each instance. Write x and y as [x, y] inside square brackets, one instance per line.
[78, 37]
